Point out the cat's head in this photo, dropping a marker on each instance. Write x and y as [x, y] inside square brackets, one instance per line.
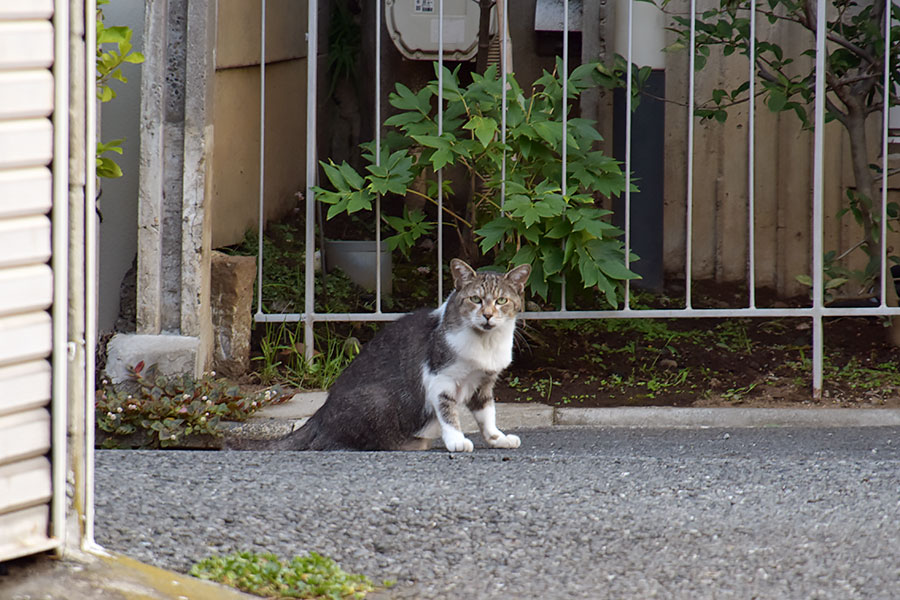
[487, 300]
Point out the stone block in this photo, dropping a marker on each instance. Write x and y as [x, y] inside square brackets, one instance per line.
[173, 354]
[231, 293]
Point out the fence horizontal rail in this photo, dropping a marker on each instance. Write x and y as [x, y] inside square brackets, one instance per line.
[675, 313]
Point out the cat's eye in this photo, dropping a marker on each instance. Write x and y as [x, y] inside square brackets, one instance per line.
[475, 299]
[501, 301]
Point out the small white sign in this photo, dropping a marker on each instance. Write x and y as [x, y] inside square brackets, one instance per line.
[424, 6]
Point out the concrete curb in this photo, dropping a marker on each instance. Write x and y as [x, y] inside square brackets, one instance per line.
[669, 417]
[274, 422]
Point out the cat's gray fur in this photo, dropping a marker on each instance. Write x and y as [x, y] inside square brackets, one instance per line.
[405, 387]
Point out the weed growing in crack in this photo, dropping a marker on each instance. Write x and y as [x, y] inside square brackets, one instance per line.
[310, 576]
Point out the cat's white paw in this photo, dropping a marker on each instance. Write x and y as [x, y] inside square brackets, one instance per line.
[505, 441]
[460, 444]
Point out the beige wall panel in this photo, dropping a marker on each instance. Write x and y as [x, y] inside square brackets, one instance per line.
[25, 241]
[766, 195]
[25, 192]
[26, 143]
[24, 483]
[25, 289]
[708, 143]
[732, 217]
[26, 94]
[795, 204]
[26, 44]
[235, 205]
[24, 435]
[238, 34]
[23, 531]
[33, 9]
[675, 190]
[25, 337]
[24, 386]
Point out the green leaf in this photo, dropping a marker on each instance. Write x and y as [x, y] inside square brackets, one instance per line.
[334, 176]
[552, 256]
[777, 100]
[441, 158]
[494, 231]
[484, 128]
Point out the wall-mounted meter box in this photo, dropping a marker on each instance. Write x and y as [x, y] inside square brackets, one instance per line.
[414, 26]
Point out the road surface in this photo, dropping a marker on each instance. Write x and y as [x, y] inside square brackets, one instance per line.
[573, 513]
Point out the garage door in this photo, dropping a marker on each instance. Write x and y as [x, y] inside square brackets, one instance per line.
[26, 278]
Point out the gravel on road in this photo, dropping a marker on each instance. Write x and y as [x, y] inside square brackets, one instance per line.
[573, 513]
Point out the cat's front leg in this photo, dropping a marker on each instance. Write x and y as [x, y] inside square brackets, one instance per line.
[451, 432]
[485, 413]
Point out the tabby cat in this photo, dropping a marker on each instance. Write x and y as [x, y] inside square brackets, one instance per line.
[406, 387]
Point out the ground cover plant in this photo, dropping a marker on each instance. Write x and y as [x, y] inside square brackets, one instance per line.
[167, 409]
[311, 576]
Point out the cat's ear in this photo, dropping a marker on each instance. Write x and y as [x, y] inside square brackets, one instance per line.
[518, 277]
[462, 273]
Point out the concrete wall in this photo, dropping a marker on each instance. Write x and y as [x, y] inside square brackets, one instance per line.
[118, 201]
[235, 204]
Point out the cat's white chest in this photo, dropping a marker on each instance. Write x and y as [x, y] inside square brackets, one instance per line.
[488, 352]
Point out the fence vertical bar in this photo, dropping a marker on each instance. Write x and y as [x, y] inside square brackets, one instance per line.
[751, 162]
[262, 156]
[689, 199]
[440, 173]
[565, 108]
[312, 53]
[503, 74]
[818, 218]
[378, 290]
[884, 149]
[628, 91]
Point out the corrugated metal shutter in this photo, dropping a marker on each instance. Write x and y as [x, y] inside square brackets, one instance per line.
[26, 279]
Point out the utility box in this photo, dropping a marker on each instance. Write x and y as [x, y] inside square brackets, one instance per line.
[415, 28]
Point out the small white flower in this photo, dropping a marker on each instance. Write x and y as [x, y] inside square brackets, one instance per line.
[130, 396]
[212, 373]
[203, 419]
[119, 409]
[186, 396]
[253, 404]
[204, 398]
[110, 415]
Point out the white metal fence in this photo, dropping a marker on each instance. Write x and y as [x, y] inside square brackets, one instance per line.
[816, 312]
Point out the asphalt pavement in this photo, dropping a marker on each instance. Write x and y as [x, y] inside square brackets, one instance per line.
[734, 512]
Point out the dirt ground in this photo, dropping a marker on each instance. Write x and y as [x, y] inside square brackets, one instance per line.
[704, 362]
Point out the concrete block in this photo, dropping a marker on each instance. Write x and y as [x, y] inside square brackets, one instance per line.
[232, 299]
[173, 354]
